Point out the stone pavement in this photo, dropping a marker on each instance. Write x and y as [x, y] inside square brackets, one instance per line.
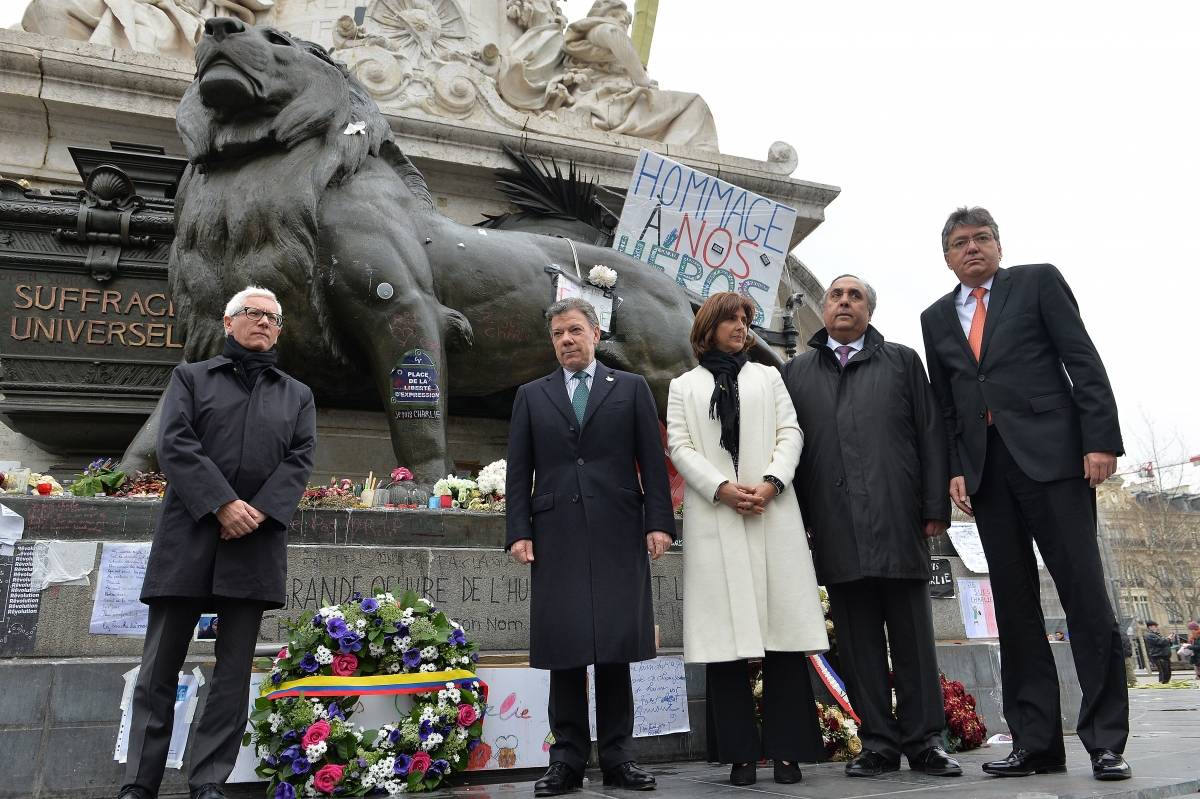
[1164, 750]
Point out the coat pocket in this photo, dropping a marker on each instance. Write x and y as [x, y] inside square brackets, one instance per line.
[541, 502]
[1050, 402]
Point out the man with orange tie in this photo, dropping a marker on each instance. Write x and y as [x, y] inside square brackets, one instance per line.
[1032, 428]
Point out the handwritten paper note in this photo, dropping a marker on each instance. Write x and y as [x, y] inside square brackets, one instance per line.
[965, 537]
[117, 610]
[978, 608]
[659, 697]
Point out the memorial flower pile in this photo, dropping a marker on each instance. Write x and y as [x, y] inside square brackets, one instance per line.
[964, 727]
[839, 733]
[100, 477]
[310, 746]
[460, 489]
[338, 494]
[146, 484]
[485, 493]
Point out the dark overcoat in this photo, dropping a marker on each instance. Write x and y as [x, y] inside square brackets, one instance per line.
[874, 464]
[588, 516]
[1039, 374]
[218, 442]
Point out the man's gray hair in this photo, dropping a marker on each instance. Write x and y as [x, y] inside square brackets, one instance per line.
[872, 297]
[238, 301]
[974, 216]
[573, 304]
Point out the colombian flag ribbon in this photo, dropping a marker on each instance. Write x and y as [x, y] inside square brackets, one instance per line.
[381, 684]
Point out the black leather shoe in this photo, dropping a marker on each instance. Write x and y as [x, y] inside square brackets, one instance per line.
[134, 792]
[209, 790]
[870, 764]
[630, 777]
[1022, 763]
[558, 779]
[744, 774]
[935, 762]
[787, 773]
[1108, 765]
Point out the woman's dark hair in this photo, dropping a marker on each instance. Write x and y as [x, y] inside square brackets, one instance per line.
[715, 310]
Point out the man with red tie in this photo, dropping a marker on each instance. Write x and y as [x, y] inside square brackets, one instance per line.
[1032, 428]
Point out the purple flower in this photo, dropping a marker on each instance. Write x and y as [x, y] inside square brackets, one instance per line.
[285, 791]
[401, 628]
[318, 620]
[440, 766]
[289, 754]
[394, 736]
[474, 742]
[370, 605]
[475, 657]
[458, 637]
[403, 764]
[277, 677]
[357, 597]
[335, 712]
[426, 729]
[362, 762]
[349, 643]
[378, 622]
[309, 663]
[336, 628]
[300, 765]
[412, 657]
[271, 761]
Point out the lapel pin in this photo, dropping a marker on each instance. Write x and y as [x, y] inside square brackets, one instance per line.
[609, 378]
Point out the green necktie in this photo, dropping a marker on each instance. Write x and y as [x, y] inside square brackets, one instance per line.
[580, 397]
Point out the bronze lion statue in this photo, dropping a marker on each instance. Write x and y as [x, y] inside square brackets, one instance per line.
[295, 183]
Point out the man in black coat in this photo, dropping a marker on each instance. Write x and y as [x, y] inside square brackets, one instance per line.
[1032, 427]
[236, 443]
[585, 526]
[1158, 649]
[872, 487]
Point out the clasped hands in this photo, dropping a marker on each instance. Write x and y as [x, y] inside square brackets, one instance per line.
[745, 499]
[238, 518]
[656, 544]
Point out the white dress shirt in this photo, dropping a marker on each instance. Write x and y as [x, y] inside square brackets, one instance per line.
[964, 303]
[855, 346]
[569, 377]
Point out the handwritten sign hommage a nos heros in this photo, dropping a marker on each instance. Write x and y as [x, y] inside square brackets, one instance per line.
[709, 235]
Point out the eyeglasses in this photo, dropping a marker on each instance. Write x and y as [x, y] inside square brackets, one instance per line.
[982, 240]
[256, 315]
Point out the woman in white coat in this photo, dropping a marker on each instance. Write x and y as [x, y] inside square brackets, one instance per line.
[749, 587]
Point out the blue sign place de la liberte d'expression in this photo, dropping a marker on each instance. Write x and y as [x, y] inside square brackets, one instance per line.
[415, 393]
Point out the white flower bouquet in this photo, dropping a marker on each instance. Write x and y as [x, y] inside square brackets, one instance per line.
[602, 277]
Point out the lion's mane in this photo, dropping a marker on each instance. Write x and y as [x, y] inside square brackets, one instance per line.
[248, 202]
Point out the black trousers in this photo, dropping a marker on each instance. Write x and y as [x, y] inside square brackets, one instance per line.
[568, 711]
[218, 737]
[1164, 669]
[790, 730]
[861, 610]
[1060, 515]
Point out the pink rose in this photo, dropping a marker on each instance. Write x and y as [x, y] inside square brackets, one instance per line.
[327, 778]
[344, 665]
[283, 653]
[466, 715]
[318, 732]
[420, 763]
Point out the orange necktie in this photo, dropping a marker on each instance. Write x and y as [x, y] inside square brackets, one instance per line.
[975, 337]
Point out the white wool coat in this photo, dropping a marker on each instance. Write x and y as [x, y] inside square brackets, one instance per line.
[748, 581]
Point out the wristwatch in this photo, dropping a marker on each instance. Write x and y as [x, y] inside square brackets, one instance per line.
[775, 481]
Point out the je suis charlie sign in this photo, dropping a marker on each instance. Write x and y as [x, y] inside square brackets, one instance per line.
[709, 235]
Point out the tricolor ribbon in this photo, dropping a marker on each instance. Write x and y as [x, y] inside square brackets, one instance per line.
[834, 684]
[383, 684]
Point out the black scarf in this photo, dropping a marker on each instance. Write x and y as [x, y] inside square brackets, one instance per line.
[252, 363]
[724, 405]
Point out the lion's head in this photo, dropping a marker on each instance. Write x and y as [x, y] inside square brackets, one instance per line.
[258, 88]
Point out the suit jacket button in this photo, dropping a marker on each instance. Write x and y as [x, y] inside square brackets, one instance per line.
[580, 461]
[983, 414]
[981, 378]
[839, 481]
[572, 428]
[575, 498]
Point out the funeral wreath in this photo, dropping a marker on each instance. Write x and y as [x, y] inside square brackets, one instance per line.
[303, 732]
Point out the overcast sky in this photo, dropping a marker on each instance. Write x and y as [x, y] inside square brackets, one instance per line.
[1073, 122]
